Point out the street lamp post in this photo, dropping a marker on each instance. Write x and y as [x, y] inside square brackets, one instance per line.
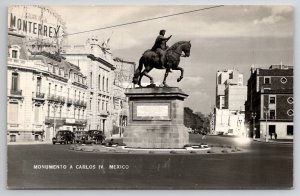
[253, 114]
[266, 110]
[54, 119]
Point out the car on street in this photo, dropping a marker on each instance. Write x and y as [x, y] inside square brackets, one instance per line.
[95, 136]
[81, 136]
[63, 137]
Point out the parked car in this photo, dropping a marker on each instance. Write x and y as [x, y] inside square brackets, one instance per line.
[95, 136]
[63, 137]
[81, 136]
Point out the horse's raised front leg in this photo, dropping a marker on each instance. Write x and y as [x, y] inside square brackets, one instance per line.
[165, 78]
[181, 75]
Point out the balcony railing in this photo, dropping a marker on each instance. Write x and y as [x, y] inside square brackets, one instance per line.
[69, 101]
[40, 95]
[56, 98]
[80, 103]
[16, 92]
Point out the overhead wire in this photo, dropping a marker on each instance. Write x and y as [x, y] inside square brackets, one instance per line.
[134, 22]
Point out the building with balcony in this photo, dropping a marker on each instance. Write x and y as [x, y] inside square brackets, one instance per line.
[269, 105]
[45, 93]
[107, 79]
[97, 64]
[229, 112]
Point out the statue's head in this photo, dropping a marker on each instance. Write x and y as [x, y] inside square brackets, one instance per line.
[162, 32]
[186, 48]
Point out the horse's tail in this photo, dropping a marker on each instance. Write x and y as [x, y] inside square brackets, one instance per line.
[138, 71]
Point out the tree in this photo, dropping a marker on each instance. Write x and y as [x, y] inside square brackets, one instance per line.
[197, 121]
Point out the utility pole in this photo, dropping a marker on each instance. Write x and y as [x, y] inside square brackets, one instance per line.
[266, 110]
[253, 115]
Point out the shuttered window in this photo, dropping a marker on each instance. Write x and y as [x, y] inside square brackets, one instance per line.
[13, 112]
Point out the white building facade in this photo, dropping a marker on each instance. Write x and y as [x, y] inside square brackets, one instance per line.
[45, 94]
[231, 94]
[107, 105]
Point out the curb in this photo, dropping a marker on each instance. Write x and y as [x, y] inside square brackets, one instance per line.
[27, 143]
[272, 141]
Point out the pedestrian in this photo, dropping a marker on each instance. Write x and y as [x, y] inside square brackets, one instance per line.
[275, 135]
[271, 135]
[203, 136]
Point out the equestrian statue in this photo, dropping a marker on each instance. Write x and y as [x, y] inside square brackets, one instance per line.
[160, 56]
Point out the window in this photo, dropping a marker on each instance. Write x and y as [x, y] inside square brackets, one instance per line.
[106, 84]
[75, 95]
[290, 112]
[13, 138]
[48, 114]
[106, 106]
[68, 93]
[79, 95]
[91, 79]
[38, 84]
[283, 80]
[272, 100]
[14, 81]
[290, 130]
[99, 79]
[90, 104]
[267, 80]
[13, 112]
[103, 81]
[272, 114]
[60, 111]
[290, 100]
[49, 89]
[98, 106]
[74, 112]
[14, 54]
[37, 114]
[55, 89]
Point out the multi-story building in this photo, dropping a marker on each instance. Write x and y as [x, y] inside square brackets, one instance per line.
[45, 93]
[229, 113]
[269, 105]
[106, 99]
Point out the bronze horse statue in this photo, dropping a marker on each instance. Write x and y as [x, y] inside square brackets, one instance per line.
[170, 60]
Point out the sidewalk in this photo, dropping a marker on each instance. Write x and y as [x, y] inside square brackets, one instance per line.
[29, 143]
[279, 141]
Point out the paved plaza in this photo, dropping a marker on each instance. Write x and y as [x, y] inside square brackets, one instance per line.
[261, 165]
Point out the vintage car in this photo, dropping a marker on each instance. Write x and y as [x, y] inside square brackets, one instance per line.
[81, 136]
[63, 137]
[95, 136]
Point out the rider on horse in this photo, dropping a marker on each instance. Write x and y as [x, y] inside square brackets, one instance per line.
[160, 46]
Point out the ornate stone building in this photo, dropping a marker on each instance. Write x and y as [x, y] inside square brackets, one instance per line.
[45, 93]
[105, 99]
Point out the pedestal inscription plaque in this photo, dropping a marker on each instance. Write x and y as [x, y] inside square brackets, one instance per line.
[155, 118]
[151, 111]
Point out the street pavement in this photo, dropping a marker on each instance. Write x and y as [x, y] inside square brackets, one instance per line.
[259, 166]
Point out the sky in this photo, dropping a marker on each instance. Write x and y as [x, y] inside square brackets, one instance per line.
[222, 38]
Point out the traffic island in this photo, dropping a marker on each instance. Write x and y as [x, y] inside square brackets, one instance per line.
[192, 149]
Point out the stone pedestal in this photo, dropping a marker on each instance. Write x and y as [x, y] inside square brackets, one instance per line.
[156, 118]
